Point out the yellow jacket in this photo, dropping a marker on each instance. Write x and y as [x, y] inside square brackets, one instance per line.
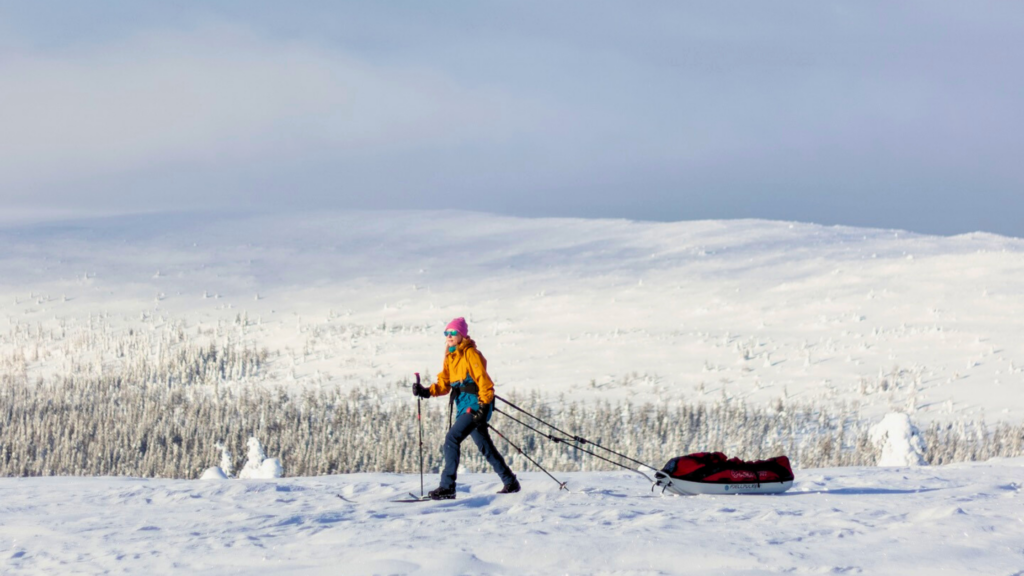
[465, 361]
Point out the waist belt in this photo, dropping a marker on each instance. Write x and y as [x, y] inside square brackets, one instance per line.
[466, 386]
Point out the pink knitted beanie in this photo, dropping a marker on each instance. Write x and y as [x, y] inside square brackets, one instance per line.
[460, 325]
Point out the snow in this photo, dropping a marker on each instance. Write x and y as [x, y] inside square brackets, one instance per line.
[899, 441]
[257, 465]
[959, 519]
[909, 328]
[214, 473]
[600, 309]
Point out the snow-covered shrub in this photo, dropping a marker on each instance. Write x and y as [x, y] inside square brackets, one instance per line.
[226, 465]
[257, 465]
[899, 441]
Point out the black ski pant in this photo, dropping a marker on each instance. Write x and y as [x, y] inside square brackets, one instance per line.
[462, 428]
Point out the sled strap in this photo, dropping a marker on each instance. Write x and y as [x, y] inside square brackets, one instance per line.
[558, 440]
[573, 437]
[561, 485]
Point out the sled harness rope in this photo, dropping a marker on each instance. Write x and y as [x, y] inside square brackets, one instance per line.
[557, 439]
[569, 439]
[561, 485]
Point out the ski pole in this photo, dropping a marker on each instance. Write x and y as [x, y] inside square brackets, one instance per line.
[419, 419]
[451, 406]
[561, 485]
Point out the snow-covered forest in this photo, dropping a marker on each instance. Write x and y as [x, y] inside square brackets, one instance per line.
[172, 417]
[754, 338]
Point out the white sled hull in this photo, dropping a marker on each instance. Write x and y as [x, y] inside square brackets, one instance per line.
[687, 488]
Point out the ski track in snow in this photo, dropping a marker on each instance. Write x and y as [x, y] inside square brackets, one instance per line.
[960, 519]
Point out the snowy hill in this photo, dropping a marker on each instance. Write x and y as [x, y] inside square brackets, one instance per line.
[960, 519]
[205, 316]
[599, 309]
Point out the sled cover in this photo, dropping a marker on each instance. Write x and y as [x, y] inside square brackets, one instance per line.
[716, 468]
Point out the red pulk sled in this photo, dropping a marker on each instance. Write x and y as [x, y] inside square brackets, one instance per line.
[701, 473]
[714, 473]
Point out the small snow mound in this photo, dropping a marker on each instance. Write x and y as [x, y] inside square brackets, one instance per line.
[214, 473]
[257, 465]
[270, 468]
[899, 441]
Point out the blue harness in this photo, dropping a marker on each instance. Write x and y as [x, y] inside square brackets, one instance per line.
[464, 394]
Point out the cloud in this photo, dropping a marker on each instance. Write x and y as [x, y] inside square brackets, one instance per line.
[867, 114]
[222, 94]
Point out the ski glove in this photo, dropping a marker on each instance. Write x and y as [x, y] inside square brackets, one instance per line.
[480, 416]
[418, 390]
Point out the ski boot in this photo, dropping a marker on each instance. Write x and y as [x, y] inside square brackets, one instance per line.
[511, 487]
[442, 493]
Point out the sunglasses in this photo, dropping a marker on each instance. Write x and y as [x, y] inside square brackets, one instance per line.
[451, 332]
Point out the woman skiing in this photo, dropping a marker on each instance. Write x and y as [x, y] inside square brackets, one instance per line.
[465, 376]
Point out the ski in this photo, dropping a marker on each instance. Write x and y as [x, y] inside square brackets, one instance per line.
[414, 498]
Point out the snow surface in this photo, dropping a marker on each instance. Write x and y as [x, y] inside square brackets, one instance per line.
[959, 519]
[214, 473]
[601, 309]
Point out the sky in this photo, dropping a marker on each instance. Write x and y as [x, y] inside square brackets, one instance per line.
[896, 115]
